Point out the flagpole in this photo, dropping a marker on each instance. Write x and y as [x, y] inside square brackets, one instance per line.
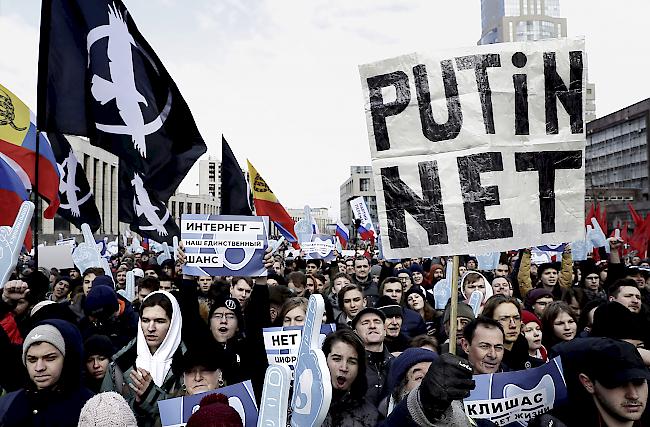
[37, 211]
[453, 324]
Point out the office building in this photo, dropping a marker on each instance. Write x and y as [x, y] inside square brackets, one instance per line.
[360, 184]
[210, 177]
[528, 20]
[616, 161]
[101, 168]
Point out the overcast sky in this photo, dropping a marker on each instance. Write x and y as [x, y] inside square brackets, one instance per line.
[279, 78]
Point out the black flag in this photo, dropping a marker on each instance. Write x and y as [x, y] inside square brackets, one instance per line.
[77, 200]
[147, 215]
[234, 190]
[98, 77]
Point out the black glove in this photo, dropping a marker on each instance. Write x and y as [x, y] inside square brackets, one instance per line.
[545, 420]
[449, 378]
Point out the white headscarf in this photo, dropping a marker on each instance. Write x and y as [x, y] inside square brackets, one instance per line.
[159, 363]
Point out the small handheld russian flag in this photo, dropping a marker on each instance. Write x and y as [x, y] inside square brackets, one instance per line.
[342, 233]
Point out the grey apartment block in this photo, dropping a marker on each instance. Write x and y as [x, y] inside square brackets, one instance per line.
[359, 184]
[616, 161]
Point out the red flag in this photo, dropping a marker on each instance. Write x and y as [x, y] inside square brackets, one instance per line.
[590, 214]
[601, 217]
[635, 215]
[640, 237]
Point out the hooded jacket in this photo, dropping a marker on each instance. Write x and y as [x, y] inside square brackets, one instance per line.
[59, 405]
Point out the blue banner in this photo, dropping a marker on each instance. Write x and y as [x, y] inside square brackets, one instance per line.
[321, 246]
[224, 245]
[514, 398]
[177, 411]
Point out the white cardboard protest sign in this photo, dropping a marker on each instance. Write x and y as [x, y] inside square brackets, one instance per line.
[479, 149]
[55, 256]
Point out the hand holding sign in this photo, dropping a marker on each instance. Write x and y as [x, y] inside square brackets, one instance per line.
[85, 254]
[12, 239]
[312, 391]
[275, 397]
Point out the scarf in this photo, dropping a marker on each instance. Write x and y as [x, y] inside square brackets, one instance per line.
[159, 363]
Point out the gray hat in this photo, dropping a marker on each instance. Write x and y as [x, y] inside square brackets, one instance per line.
[463, 310]
[43, 333]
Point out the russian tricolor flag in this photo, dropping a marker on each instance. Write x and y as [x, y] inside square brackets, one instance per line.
[12, 196]
[342, 233]
[18, 141]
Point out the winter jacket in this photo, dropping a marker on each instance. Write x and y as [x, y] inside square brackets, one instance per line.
[564, 276]
[58, 406]
[412, 323]
[120, 329]
[347, 412]
[245, 352]
[377, 368]
[117, 379]
[517, 358]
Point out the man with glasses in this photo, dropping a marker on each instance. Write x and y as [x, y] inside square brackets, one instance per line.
[507, 311]
[404, 277]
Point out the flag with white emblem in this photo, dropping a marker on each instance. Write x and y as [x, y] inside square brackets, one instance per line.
[98, 77]
[77, 200]
[147, 215]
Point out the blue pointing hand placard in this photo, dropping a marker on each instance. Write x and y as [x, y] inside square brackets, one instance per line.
[86, 254]
[312, 390]
[275, 397]
[12, 239]
[442, 289]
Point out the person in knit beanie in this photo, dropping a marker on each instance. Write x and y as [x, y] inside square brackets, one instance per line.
[107, 409]
[52, 355]
[531, 328]
[214, 411]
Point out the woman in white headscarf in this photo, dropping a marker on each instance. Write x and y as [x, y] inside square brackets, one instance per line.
[147, 360]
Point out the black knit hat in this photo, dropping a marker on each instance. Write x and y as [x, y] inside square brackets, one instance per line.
[231, 304]
[99, 345]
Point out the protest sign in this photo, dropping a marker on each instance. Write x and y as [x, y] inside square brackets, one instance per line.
[282, 343]
[224, 245]
[514, 398]
[360, 212]
[70, 241]
[321, 246]
[275, 397]
[175, 412]
[312, 389]
[480, 149]
[55, 257]
[12, 240]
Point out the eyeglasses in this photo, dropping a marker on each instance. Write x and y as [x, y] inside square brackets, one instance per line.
[227, 316]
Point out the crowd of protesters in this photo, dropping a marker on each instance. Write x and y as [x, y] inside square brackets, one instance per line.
[75, 349]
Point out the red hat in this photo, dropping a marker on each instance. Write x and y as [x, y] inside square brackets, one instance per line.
[214, 411]
[527, 317]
